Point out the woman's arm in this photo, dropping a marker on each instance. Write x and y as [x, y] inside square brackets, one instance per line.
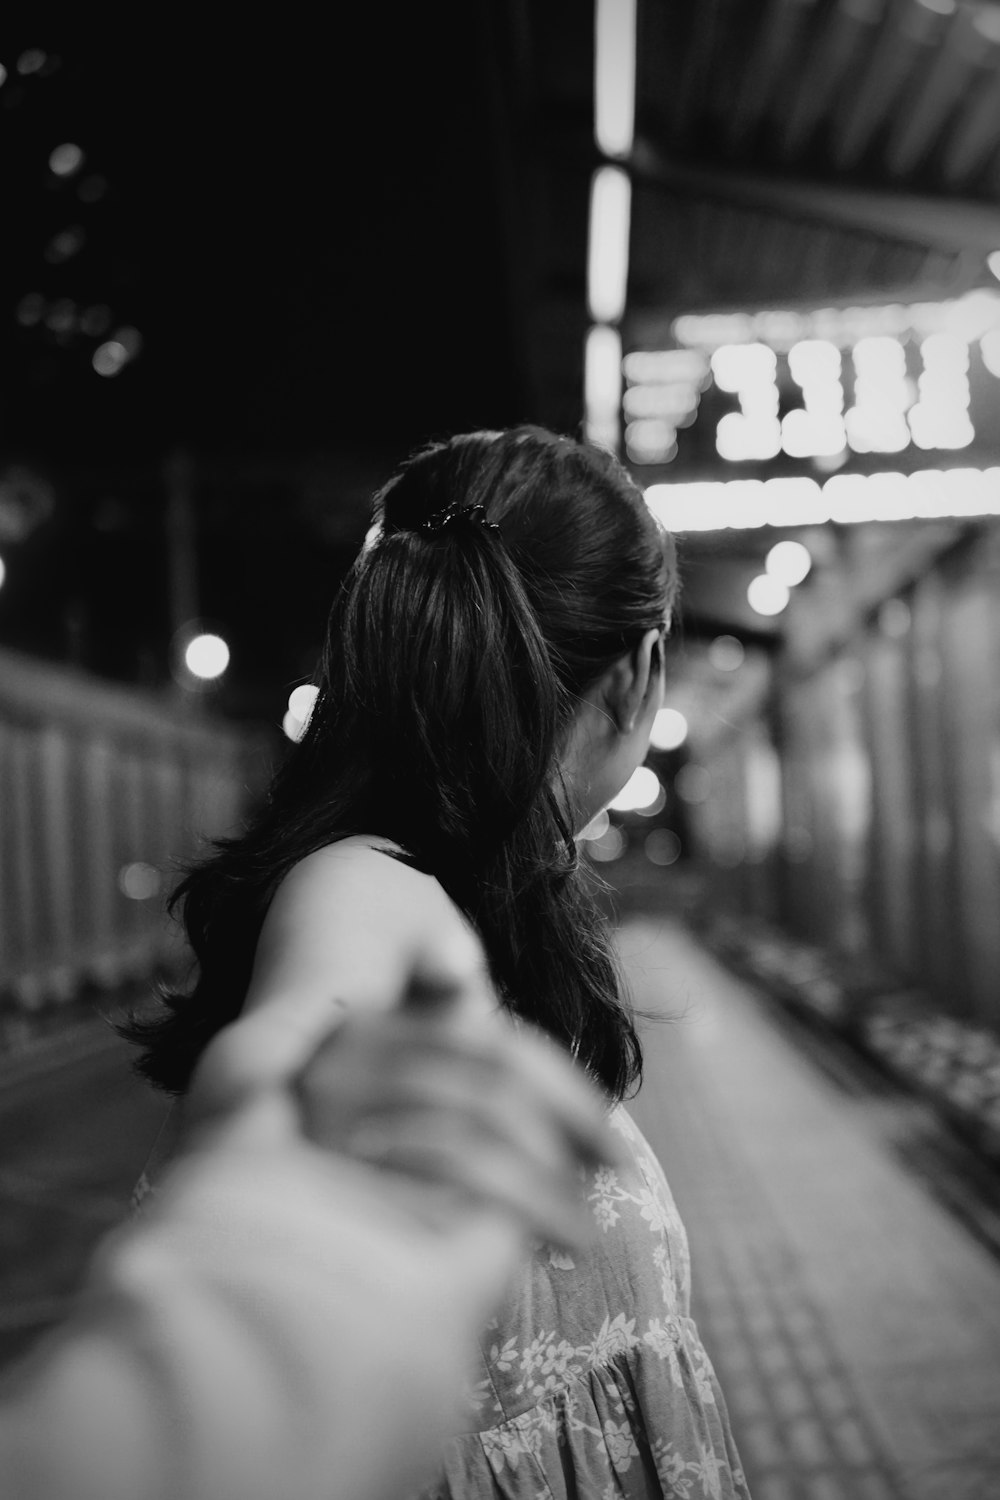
[282, 1321]
[346, 926]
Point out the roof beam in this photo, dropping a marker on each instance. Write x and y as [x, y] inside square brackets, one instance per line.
[954, 225]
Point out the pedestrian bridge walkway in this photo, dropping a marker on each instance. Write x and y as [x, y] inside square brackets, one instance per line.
[853, 1319]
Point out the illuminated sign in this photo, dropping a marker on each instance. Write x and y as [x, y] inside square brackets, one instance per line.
[774, 386]
[741, 504]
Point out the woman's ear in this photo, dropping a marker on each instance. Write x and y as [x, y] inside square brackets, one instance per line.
[632, 678]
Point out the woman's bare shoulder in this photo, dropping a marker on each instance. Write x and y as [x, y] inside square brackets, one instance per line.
[346, 921]
[353, 869]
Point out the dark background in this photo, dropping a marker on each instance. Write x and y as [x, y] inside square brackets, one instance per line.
[305, 224]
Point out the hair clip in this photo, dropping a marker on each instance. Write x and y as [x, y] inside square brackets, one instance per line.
[442, 518]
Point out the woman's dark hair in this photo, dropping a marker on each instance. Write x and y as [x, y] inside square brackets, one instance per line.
[455, 658]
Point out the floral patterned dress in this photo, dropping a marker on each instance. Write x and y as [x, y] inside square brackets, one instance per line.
[593, 1383]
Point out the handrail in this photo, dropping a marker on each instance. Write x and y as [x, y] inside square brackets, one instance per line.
[104, 790]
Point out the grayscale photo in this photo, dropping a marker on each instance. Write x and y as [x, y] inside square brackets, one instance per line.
[500, 751]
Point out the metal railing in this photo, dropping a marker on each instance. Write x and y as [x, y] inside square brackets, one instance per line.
[104, 791]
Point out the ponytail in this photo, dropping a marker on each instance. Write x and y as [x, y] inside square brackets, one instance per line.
[468, 687]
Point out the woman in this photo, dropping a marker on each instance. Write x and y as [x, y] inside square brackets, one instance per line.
[492, 670]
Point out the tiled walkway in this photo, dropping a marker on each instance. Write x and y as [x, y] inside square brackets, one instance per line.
[855, 1325]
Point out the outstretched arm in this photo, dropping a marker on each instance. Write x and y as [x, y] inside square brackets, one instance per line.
[284, 1321]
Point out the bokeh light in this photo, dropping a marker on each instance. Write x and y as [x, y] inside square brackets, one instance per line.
[597, 827]
[737, 367]
[739, 437]
[110, 358]
[670, 729]
[302, 699]
[139, 881]
[610, 846]
[813, 361]
[31, 61]
[301, 702]
[206, 656]
[790, 562]
[603, 385]
[130, 339]
[64, 245]
[726, 653]
[657, 805]
[608, 244]
[614, 76]
[811, 434]
[66, 159]
[767, 595]
[651, 441]
[641, 790]
[662, 846]
[850, 498]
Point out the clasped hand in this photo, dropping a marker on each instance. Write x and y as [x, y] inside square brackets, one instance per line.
[456, 1106]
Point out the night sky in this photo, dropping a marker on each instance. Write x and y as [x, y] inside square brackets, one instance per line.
[305, 228]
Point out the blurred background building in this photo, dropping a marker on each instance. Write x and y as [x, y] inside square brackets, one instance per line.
[751, 245]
